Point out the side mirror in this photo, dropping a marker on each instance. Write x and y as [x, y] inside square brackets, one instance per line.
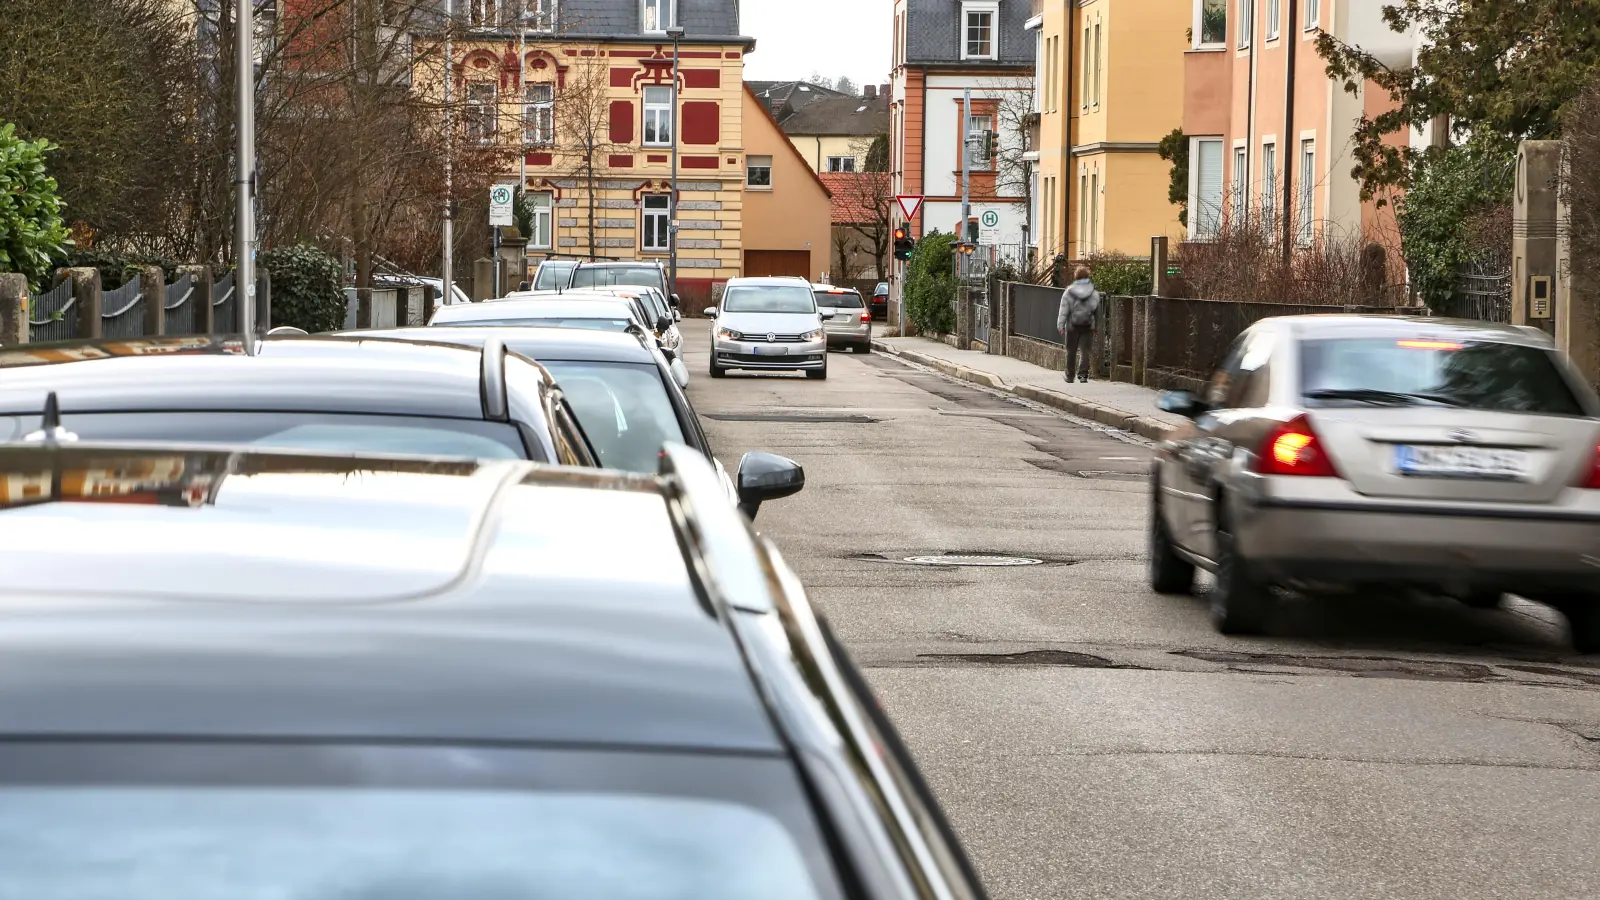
[766, 476]
[663, 323]
[680, 373]
[710, 312]
[670, 355]
[1181, 403]
[677, 316]
[675, 300]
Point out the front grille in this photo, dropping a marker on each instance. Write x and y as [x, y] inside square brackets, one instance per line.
[769, 360]
[751, 337]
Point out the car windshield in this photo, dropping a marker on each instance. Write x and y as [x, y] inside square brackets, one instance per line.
[405, 435]
[608, 276]
[839, 300]
[1482, 375]
[532, 322]
[768, 298]
[623, 408]
[552, 276]
[224, 843]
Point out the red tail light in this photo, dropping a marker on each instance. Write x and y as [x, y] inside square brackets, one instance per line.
[866, 316]
[1593, 481]
[1293, 449]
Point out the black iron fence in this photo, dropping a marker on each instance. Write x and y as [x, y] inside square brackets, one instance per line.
[181, 304]
[1190, 337]
[122, 311]
[1478, 295]
[76, 304]
[1033, 312]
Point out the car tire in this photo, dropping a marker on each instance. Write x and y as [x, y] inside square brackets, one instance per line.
[1583, 620]
[717, 371]
[817, 374]
[1240, 603]
[1169, 572]
[864, 347]
[1484, 599]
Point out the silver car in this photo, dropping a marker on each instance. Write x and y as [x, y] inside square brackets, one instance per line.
[1339, 452]
[768, 323]
[844, 317]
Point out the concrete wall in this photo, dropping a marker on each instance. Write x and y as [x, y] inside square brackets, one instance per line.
[796, 214]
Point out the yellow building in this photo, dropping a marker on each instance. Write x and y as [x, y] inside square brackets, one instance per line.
[1110, 88]
[788, 217]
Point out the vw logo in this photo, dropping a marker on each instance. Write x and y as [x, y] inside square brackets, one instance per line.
[771, 337]
[1464, 437]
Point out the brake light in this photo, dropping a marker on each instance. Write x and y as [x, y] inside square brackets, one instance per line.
[1428, 345]
[1292, 448]
[866, 317]
[1593, 481]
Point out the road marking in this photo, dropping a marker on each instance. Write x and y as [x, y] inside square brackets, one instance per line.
[1121, 458]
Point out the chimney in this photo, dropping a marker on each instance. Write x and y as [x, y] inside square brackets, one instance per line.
[870, 92]
[883, 92]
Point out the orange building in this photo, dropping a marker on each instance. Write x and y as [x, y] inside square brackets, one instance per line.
[787, 209]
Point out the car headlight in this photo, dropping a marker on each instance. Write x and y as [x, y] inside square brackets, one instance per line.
[811, 335]
[728, 334]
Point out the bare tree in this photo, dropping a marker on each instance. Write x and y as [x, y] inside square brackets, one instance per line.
[870, 196]
[583, 130]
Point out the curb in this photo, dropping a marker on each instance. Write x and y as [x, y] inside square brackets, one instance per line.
[1144, 426]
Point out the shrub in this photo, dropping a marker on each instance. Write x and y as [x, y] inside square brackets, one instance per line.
[307, 288]
[931, 285]
[1120, 275]
[31, 229]
[116, 269]
[1450, 189]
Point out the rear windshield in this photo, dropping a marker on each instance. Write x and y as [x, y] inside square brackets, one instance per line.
[1468, 374]
[552, 276]
[623, 408]
[606, 276]
[591, 324]
[339, 433]
[845, 300]
[769, 298]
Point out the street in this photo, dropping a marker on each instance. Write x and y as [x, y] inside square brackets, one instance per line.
[1090, 738]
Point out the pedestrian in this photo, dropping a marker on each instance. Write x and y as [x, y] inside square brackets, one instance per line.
[1075, 321]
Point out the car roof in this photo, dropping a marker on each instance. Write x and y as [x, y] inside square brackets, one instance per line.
[570, 305]
[539, 343]
[613, 263]
[833, 288]
[1343, 325]
[315, 373]
[281, 596]
[769, 279]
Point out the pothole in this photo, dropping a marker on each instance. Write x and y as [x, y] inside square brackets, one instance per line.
[956, 558]
[799, 418]
[1030, 658]
[1354, 666]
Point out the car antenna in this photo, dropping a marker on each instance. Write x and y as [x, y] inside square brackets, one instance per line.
[50, 430]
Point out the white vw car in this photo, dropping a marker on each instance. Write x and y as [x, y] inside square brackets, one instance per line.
[768, 323]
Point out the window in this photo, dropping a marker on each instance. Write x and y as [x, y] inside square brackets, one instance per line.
[1269, 189]
[841, 164]
[1274, 18]
[1241, 161]
[1212, 29]
[624, 409]
[1307, 193]
[1313, 14]
[1099, 62]
[1480, 375]
[538, 114]
[978, 157]
[758, 172]
[1247, 22]
[1094, 212]
[328, 432]
[538, 15]
[770, 298]
[539, 206]
[657, 223]
[658, 15]
[483, 13]
[482, 112]
[1083, 213]
[978, 34]
[1083, 90]
[1041, 53]
[1207, 207]
[658, 116]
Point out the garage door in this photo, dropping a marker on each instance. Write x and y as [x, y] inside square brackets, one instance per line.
[777, 262]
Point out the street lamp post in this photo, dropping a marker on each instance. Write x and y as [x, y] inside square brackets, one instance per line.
[244, 281]
[446, 267]
[676, 33]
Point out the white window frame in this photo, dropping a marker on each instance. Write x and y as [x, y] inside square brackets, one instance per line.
[1204, 223]
[538, 116]
[543, 220]
[976, 126]
[1274, 19]
[1306, 197]
[1199, 26]
[842, 164]
[662, 214]
[1083, 212]
[751, 164]
[658, 116]
[1094, 211]
[1240, 193]
[1269, 187]
[1099, 60]
[645, 6]
[990, 8]
[1247, 23]
[483, 111]
[1313, 15]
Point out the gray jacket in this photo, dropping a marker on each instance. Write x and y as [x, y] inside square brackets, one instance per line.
[1078, 304]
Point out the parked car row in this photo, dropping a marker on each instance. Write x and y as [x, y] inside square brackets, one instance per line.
[463, 608]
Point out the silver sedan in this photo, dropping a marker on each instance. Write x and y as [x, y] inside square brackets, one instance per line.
[1339, 452]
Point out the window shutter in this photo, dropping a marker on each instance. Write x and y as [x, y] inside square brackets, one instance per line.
[622, 121]
[701, 123]
[1210, 186]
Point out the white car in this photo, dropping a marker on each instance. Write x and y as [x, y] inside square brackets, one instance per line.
[768, 324]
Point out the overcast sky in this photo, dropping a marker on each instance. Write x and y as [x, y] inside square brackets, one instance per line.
[835, 37]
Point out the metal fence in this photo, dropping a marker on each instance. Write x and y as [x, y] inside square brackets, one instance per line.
[122, 311]
[53, 315]
[223, 304]
[1033, 312]
[1189, 337]
[1479, 295]
[180, 308]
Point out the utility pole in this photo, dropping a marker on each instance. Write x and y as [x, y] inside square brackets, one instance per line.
[966, 161]
[676, 33]
[447, 282]
[244, 278]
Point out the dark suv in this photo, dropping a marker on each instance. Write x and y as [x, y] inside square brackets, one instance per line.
[622, 274]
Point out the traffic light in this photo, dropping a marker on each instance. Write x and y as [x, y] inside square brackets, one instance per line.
[991, 144]
[903, 244]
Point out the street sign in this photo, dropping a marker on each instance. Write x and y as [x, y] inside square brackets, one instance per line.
[500, 206]
[989, 228]
[909, 204]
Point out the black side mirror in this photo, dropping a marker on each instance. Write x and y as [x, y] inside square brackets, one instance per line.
[663, 323]
[675, 300]
[766, 476]
[1181, 403]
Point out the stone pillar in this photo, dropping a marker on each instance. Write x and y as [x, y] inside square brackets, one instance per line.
[86, 300]
[1577, 307]
[1159, 284]
[13, 309]
[204, 316]
[1535, 256]
[963, 316]
[430, 302]
[153, 289]
[1143, 332]
[482, 280]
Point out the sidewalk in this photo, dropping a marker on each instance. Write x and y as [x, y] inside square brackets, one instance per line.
[1126, 406]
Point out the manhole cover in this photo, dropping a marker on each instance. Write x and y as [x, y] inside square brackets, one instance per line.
[967, 559]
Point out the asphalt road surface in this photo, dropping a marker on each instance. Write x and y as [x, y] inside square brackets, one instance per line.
[1090, 738]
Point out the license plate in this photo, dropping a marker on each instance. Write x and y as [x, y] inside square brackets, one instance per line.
[768, 350]
[1461, 462]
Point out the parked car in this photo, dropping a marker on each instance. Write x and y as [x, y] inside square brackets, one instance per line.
[457, 295]
[880, 301]
[1352, 451]
[336, 394]
[844, 317]
[641, 273]
[768, 324]
[663, 316]
[485, 679]
[553, 274]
